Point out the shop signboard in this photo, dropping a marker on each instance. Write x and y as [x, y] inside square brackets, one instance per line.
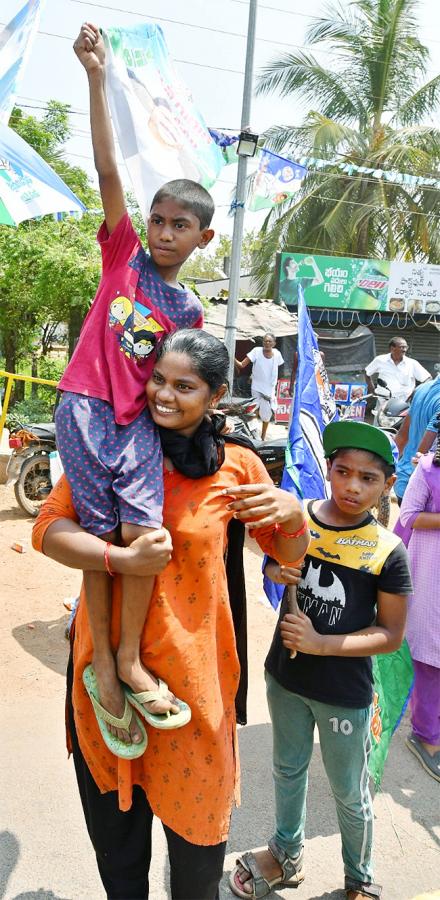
[336, 282]
[414, 288]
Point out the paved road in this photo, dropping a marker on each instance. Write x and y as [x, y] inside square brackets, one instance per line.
[44, 849]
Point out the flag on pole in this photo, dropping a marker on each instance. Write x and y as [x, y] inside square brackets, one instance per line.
[275, 180]
[313, 408]
[15, 44]
[161, 133]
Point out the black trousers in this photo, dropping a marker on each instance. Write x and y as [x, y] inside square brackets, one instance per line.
[122, 840]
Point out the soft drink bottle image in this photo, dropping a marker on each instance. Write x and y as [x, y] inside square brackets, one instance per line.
[370, 289]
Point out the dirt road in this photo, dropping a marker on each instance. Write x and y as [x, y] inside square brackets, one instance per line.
[44, 849]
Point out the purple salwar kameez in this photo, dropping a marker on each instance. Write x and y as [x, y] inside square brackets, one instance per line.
[423, 626]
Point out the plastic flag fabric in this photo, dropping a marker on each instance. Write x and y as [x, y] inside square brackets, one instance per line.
[15, 44]
[393, 679]
[313, 408]
[275, 180]
[28, 186]
[161, 134]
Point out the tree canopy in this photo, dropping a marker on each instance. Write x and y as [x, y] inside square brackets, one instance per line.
[209, 263]
[370, 106]
[49, 270]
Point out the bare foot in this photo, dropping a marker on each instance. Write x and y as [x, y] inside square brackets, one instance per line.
[268, 866]
[112, 698]
[139, 679]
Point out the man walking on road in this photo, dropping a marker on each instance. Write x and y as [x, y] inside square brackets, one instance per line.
[398, 370]
[265, 363]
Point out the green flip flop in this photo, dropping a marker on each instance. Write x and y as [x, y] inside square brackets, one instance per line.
[167, 720]
[114, 744]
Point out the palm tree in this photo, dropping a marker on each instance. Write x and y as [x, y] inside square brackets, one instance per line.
[371, 109]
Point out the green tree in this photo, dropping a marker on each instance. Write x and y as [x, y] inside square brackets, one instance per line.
[47, 136]
[210, 264]
[49, 270]
[370, 107]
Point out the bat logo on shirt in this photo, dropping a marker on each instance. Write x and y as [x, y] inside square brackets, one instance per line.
[327, 554]
[314, 534]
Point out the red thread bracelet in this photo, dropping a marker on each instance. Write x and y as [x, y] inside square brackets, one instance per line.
[107, 558]
[293, 534]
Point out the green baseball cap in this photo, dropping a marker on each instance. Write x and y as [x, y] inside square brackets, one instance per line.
[350, 435]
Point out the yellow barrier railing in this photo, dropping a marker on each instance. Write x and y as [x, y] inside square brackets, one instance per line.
[10, 378]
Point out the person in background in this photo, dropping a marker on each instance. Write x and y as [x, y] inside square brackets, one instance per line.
[398, 370]
[417, 432]
[266, 361]
[419, 527]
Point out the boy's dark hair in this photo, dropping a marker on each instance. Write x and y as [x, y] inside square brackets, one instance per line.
[387, 469]
[209, 356]
[192, 196]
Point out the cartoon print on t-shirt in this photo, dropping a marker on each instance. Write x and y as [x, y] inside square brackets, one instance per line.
[135, 328]
[326, 601]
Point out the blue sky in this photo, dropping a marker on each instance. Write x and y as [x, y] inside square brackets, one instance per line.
[207, 40]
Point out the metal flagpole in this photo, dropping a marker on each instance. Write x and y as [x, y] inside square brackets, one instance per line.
[237, 234]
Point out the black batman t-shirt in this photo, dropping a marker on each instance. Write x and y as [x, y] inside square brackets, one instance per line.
[343, 570]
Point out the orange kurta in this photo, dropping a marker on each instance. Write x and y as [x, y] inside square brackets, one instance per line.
[190, 775]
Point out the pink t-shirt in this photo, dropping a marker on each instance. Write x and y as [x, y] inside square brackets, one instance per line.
[133, 310]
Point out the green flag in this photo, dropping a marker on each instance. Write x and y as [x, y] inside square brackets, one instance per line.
[393, 678]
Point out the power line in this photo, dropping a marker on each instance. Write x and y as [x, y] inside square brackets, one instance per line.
[80, 132]
[133, 12]
[142, 15]
[311, 47]
[288, 12]
[381, 209]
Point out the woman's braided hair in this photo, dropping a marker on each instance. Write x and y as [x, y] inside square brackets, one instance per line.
[436, 460]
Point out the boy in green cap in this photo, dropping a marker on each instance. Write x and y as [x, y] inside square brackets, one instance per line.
[352, 604]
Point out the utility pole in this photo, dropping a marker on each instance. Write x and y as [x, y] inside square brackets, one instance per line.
[240, 194]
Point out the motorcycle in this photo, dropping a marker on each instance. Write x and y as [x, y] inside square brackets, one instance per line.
[241, 415]
[28, 468]
[389, 412]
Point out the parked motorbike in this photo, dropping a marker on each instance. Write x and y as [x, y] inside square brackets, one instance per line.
[389, 412]
[28, 468]
[241, 413]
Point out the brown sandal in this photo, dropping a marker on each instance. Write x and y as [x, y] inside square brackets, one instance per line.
[291, 869]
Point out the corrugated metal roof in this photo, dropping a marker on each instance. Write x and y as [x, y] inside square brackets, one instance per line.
[255, 318]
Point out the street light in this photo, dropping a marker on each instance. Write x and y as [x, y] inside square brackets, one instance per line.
[247, 144]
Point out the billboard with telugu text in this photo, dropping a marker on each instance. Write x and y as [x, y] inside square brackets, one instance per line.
[353, 283]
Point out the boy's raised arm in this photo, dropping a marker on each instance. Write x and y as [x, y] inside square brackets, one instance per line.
[90, 50]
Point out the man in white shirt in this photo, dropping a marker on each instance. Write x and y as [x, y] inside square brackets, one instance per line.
[265, 363]
[398, 371]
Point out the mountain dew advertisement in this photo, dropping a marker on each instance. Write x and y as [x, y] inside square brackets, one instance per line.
[334, 282]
